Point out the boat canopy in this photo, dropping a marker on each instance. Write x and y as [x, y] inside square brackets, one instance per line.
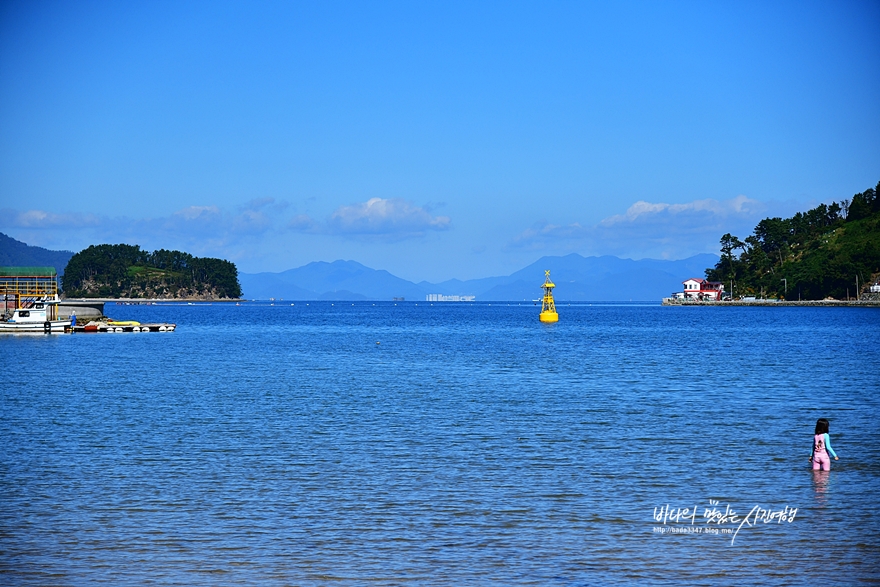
[28, 282]
[28, 272]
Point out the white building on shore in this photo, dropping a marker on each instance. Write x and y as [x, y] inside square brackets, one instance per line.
[700, 289]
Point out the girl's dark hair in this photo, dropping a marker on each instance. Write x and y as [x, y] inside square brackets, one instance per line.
[821, 426]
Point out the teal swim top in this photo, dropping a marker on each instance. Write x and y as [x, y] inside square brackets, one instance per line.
[827, 440]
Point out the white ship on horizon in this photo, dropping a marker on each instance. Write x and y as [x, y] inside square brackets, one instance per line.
[443, 298]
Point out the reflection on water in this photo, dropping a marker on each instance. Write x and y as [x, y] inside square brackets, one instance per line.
[821, 485]
[279, 445]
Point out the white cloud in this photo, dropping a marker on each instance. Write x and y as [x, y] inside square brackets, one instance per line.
[200, 228]
[649, 229]
[198, 213]
[260, 203]
[705, 209]
[36, 219]
[267, 205]
[194, 228]
[301, 222]
[251, 222]
[393, 217]
[209, 230]
[543, 230]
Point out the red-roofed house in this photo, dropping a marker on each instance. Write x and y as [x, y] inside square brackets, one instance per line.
[700, 289]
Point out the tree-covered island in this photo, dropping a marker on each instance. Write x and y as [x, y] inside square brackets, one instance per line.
[126, 271]
[811, 256]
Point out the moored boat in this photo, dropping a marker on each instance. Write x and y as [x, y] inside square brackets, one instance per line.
[30, 301]
[35, 318]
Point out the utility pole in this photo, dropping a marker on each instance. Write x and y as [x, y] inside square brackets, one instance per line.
[786, 287]
[857, 288]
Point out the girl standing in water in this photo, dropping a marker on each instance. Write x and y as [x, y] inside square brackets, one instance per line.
[821, 447]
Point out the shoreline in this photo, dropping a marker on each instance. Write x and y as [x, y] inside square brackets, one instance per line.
[778, 303]
[142, 301]
[664, 302]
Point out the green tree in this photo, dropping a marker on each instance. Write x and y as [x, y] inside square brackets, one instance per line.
[818, 253]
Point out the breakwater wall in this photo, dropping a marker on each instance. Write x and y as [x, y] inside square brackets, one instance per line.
[82, 308]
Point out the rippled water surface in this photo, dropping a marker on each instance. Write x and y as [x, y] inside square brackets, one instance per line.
[453, 444]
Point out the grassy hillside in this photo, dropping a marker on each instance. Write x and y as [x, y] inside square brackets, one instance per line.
[810, 256]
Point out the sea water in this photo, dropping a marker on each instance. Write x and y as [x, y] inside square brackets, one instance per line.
[339, 443]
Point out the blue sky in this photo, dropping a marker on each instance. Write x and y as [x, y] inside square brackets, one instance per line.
[431, 139]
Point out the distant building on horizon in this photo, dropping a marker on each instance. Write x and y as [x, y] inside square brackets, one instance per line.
[442, 298]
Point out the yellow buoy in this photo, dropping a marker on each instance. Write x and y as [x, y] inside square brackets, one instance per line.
[548, 307]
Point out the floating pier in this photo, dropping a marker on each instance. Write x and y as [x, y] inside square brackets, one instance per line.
[124, 327]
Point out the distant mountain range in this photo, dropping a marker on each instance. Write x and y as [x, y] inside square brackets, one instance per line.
[577, 278]
[15, 253]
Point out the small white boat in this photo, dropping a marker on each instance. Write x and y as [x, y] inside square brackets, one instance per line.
[36, 317]
[29, 298]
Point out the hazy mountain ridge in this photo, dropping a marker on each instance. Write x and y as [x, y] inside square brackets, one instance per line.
[577, 278]
[348, 280]
[15, 253]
